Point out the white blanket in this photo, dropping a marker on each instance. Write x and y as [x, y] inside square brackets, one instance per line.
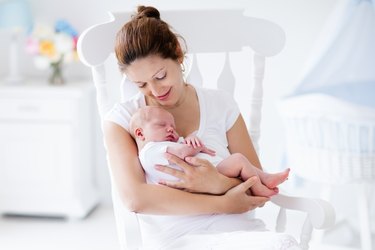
[238, 240]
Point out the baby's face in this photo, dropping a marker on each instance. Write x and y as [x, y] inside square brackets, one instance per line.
[160, 127]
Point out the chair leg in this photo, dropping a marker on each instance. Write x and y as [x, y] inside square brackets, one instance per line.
[306, 234]
[364, 215]
[325, 194]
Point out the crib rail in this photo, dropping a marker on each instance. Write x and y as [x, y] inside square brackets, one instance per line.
[335, 137]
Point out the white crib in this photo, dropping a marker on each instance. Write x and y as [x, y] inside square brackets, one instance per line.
[205, 31]
[332, 141]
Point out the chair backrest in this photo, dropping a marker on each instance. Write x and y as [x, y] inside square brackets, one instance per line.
[227, 32]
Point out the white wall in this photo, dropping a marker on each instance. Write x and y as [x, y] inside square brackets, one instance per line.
[301, 19]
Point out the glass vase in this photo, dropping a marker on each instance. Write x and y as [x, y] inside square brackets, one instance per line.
[56, 77]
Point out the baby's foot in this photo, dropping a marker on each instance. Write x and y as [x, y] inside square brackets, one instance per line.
[273, 180]
[259, 189]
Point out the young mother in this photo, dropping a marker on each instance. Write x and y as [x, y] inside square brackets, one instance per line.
[203, 200]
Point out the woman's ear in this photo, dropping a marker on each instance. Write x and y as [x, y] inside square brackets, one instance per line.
[139, 134]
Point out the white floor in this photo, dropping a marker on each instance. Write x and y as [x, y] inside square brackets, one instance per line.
[97, 232]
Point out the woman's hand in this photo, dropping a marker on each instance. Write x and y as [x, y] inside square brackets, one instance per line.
[237, 199]
[197, 176]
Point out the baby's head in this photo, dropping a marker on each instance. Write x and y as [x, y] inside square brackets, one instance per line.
[152, 123]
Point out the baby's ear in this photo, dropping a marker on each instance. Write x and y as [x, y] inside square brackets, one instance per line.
[138, 133]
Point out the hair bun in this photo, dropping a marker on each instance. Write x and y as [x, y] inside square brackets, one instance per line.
[147, 11]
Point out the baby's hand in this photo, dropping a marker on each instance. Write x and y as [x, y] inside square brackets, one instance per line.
[208, 151]
[193, 141]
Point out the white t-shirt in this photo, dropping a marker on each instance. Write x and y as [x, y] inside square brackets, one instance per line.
[218, 113]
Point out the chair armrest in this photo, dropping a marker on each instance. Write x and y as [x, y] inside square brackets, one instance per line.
[320, 212]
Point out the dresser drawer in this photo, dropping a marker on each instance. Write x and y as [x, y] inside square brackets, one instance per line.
[31, 109]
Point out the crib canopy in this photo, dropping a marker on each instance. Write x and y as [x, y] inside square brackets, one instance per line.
[343, 62]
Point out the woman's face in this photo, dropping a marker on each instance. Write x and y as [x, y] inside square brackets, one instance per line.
[159, 79]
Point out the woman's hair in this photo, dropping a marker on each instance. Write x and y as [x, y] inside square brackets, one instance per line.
[146, 34]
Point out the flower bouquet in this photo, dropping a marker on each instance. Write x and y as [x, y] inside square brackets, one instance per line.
[53, 47]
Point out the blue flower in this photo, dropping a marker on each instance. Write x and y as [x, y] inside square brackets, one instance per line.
[65, 27]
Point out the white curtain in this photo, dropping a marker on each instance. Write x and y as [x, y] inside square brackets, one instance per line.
[343, 61]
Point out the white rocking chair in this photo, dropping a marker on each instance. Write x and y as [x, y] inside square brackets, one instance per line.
[205, 31]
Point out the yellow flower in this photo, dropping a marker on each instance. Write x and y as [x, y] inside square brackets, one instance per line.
[47, 48]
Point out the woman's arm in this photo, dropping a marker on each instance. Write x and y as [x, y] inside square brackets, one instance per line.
[239, 141]
[141, 197]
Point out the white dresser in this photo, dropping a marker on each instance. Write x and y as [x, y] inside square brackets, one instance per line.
[46, 149]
